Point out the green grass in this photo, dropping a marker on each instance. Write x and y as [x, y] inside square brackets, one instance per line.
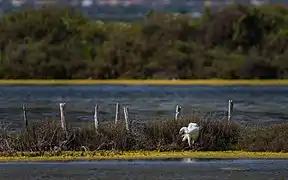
[105, 155]
[283, 82]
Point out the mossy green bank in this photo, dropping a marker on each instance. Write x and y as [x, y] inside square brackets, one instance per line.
[214, 82]
[106, 155]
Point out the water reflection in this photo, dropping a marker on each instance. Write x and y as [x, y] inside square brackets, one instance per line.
[189, 160]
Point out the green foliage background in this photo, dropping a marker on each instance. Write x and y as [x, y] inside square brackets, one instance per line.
[238, 42]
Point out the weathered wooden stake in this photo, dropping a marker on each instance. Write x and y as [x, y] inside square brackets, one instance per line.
[62, 116]
[117, 113]
[25, 116]
[126, 118]
[177, 112]
[230, 110]
[96, 122]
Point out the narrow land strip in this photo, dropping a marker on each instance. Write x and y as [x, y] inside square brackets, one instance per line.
[106, 155]
[282, 82]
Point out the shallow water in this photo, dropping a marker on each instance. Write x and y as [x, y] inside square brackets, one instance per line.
[252, 104]
[145, 169]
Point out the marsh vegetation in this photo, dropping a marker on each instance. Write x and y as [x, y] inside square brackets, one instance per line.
[160, 135]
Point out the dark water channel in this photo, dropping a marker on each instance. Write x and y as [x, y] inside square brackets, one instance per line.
[214, 169]
[252, 104]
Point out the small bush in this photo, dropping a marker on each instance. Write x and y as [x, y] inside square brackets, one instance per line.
[265, 138]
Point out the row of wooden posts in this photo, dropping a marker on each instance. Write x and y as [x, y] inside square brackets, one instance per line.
[96, 115]
[117, 111]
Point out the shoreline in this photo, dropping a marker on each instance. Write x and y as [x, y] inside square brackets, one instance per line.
[133, 155]
[211, 82]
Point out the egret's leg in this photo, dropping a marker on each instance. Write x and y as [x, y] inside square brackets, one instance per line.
[184, 138]
[192, 141]
[189, 141]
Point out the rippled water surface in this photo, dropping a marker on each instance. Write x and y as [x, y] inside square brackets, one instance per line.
[252, 104]
[157, 169]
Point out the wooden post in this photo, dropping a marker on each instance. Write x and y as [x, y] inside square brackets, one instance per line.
[126, 118]
[117, 113]
[25, 116]
[177, 112]
[230, 110]
[96, 122]
[62, 117]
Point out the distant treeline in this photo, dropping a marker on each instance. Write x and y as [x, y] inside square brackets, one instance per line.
[237, 42]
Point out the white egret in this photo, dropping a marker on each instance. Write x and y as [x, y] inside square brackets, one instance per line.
[191, 133]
